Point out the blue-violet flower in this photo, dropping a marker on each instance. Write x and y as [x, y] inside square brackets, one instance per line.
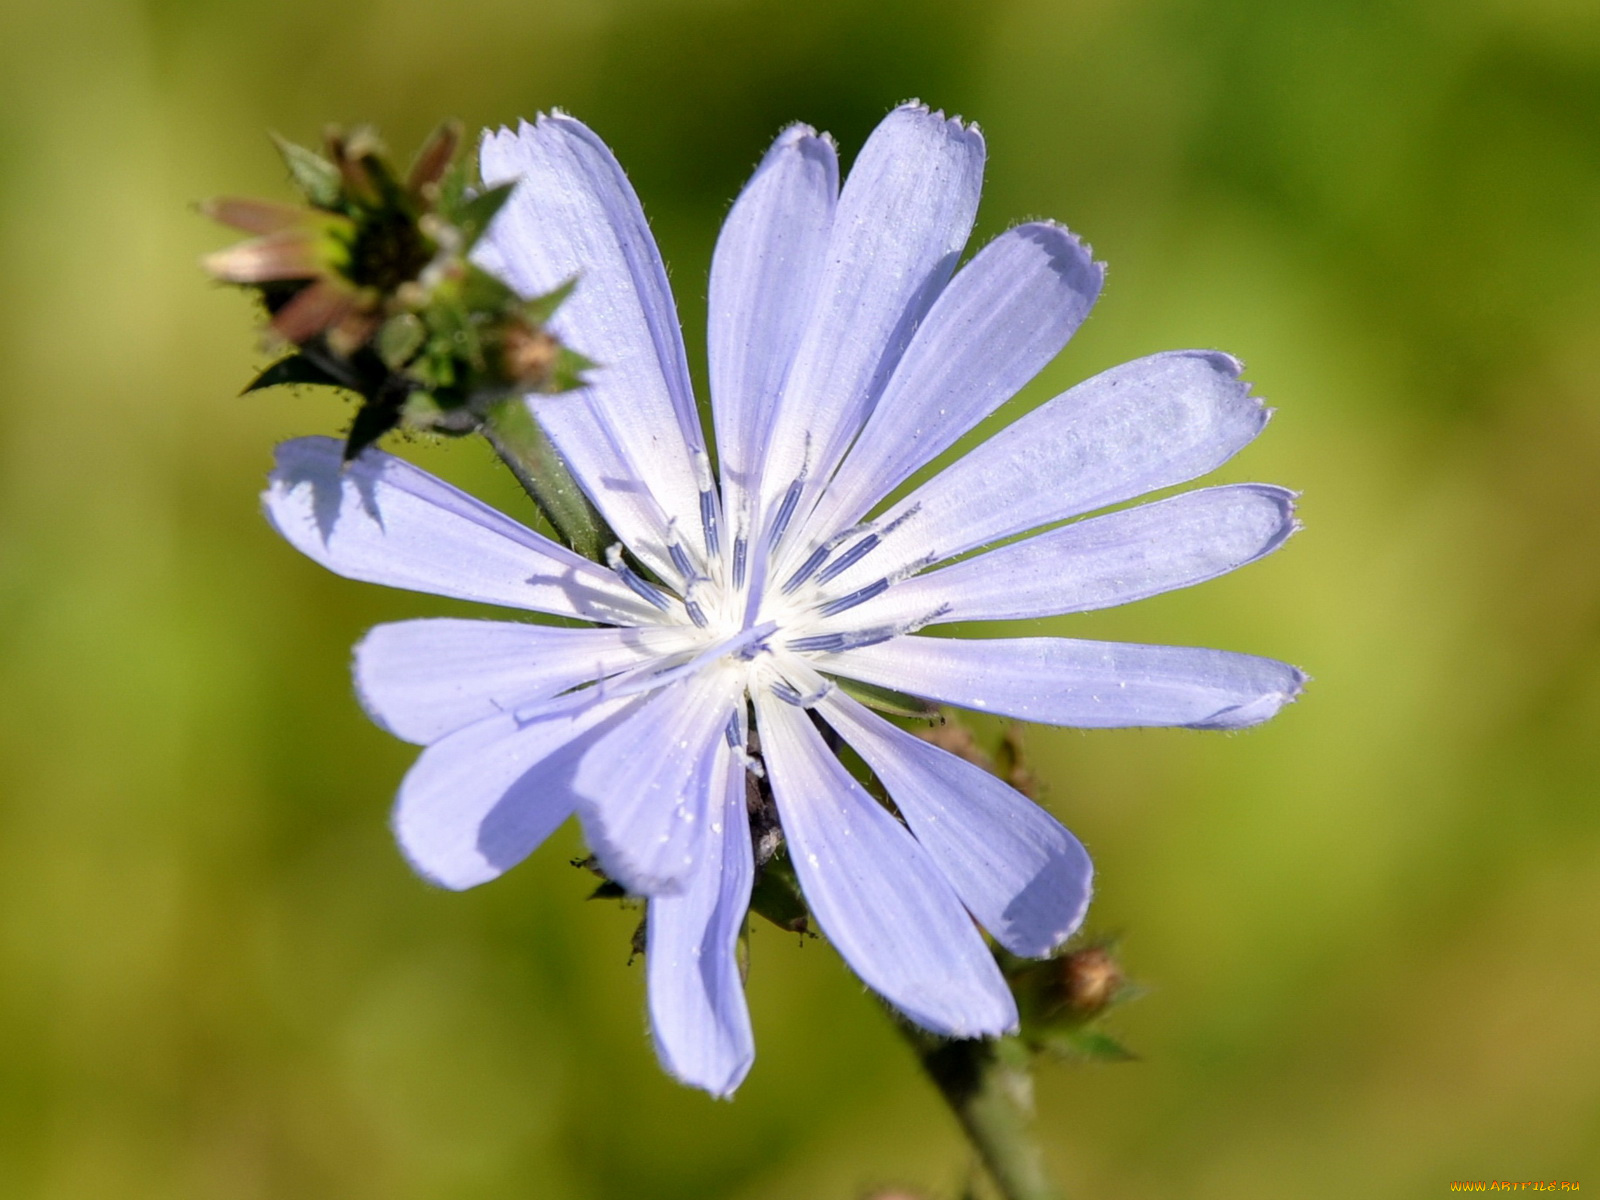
[845, 353]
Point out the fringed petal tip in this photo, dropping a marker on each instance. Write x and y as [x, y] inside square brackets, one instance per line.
[799, 131]
[1234, 368]
[1262, 708]
[525, 127]
[1286, 500]
[1071, 257]
[1078, 253]
[954, 121]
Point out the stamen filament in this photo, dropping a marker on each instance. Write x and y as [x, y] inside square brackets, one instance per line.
[850, 558]
[860, 596]
[640, 586]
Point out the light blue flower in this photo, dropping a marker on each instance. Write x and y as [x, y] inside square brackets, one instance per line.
[845, 353]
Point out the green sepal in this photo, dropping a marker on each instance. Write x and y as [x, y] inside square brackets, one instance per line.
[480, 291]
[474, 216]
[524, 447]
[1085, 1045]
[741, 951]
[455, 187]
[776, 896]
[639, 943]
[314, 175]
[886, 700]
[399, 339]
[566, 374]
[540, 309]
[373, 419]
[296, 369]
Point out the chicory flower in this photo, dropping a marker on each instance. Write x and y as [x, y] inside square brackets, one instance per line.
[846, 352]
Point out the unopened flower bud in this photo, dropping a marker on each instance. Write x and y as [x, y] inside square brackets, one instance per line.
[528, 354]
[372, 284]
[1089, 979]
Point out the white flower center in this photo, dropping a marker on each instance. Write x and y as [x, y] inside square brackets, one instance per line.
[758, 605]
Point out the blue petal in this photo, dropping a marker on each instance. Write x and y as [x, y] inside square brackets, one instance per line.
[1092, 685]
[1114, 559]
[878, 895]
[630, 436]
[1145, 425]
[1004, 316]
[697, 1006]
[905, 213]
[478, 802]
[381, 520]
[423, 679]
[764, 279]
[645, 783]
[1018, 871]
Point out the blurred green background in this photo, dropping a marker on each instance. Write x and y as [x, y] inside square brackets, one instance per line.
[1371, 928]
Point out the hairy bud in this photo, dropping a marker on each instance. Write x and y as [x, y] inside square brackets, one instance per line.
[371, 286]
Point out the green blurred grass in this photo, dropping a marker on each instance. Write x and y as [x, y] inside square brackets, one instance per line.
[1372, 928]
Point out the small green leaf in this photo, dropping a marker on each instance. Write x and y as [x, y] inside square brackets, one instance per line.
[540, 309]
[639, 943]
[399, 339]
[566, 374]
[296, 369]
[1087, 1045]
[475, 215]
[455, 186]
[314, 175]
[886, 700]
[776, 896]
[374, 419]
[524, 447]
[484, 293]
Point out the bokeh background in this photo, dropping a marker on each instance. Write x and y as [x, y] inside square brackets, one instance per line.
[1370, 929]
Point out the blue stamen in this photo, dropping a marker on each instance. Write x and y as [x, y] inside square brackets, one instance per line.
[860, 596]
[708, 519]
[644, 588]
[784, 692]
[786, 511]
[834, 643]
[818, 557]
[638, 584]
[850, 558]
[680, 559]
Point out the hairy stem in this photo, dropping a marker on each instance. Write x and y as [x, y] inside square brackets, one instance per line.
[523, 446]
[989, 1087]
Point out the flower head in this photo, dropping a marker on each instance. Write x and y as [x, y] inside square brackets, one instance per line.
[845, 352]
[371, 282]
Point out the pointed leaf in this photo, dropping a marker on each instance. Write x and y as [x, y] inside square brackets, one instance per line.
[434, 157]
[314, 175]
[374, 419]
[540, 309]
[777, 897]
[475, 215]
[1086, 1045]
[887, 700]
[296, 369]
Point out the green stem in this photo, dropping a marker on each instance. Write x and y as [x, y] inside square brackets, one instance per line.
[989, 1087]
[523, 446]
